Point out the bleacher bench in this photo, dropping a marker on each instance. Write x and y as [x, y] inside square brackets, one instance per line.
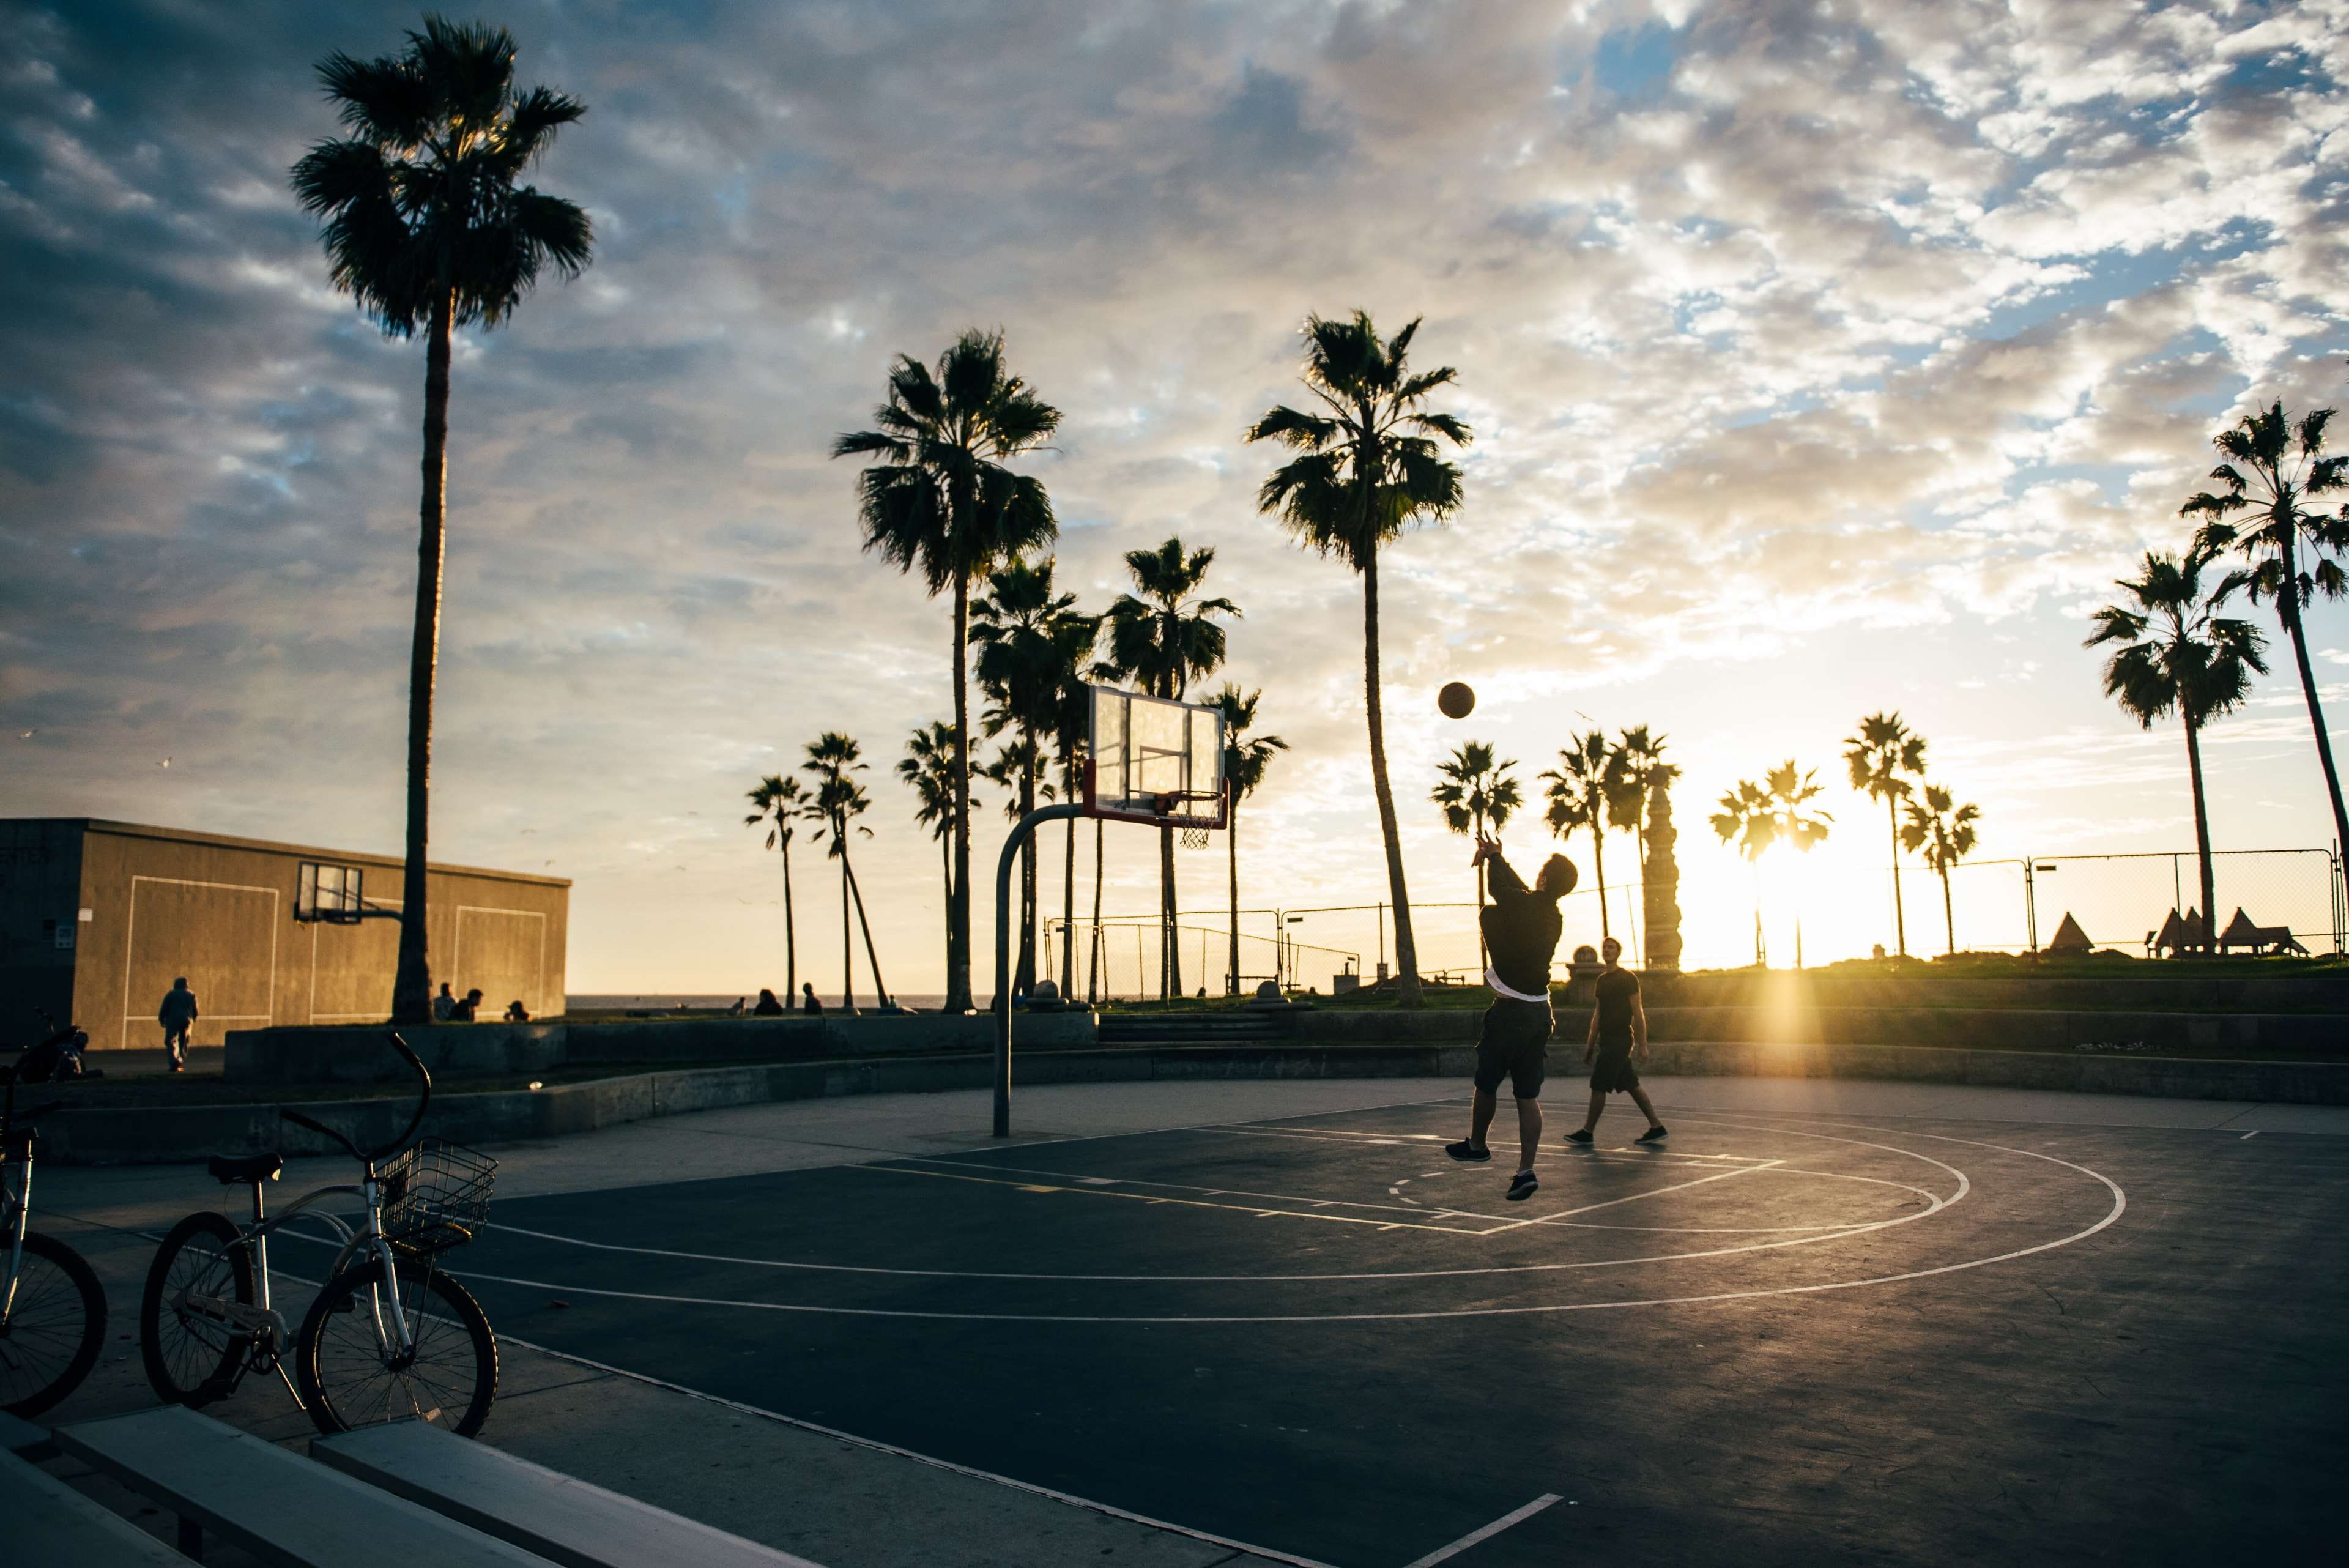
[554, 1516]
[282, 1508]
[18, 1436]
[45, 1524]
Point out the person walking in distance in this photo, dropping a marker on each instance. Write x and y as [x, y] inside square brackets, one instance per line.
[1521, 929]
[177, 1016]
[1618, 1039]
[808, 1003]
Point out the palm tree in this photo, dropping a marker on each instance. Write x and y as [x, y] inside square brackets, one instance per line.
[1578, 787]
[1162, 640]
[1365, 470]
[1636, 774]
[1945, 832]
[838, 800]
[424, 226]
[1018, 765]
[1883, 751]
[928, 765]
[2176, 652]
[2287, 465]
[1246, 759]
[1021, 668]
[780, 802]
[940, 500]
[1476, 790]
[1777, 810]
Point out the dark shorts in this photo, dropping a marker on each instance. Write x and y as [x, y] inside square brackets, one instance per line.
[1613, 1073]
[1513, 1045]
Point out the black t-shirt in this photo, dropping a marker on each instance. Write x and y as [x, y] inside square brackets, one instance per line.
[1618, 989]
[1521, 929]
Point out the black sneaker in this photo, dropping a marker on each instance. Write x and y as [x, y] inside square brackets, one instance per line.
[1522, 1186]
[1464, 1150]
[1579, 1138]
[1653, 1135]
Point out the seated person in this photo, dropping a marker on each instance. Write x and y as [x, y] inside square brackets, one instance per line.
[516, 1013]
[769, 1007]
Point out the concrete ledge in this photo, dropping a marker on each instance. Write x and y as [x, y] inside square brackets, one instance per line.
[128, 1137]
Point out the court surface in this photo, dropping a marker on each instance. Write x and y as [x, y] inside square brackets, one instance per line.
[1782, 1338]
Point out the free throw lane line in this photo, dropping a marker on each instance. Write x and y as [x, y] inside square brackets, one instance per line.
[1445, 1554]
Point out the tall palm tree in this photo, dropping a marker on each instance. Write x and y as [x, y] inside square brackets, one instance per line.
[1021, 668]
[940, 500]
[1578, 787]
[1162, 636]
[1018, 767]
[1777, 810]
[838, 800]
[1944, 831]
[424, 226]
[1882, 757]
[1636, 773]
[2176, 653]
[1476, 789]
[1366, 469]
[2286, 466]
[780, 802]
[929, 767]
[1246, 759]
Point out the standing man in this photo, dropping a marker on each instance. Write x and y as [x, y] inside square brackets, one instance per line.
[444, 1006]
[1521, 928]
[176, 1015]
[1618, 1028]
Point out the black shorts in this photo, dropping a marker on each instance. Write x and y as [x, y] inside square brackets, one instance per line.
[1513, 1045]
[1613, 1073]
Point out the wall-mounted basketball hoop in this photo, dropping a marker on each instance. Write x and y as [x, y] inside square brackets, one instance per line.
[1150, 761]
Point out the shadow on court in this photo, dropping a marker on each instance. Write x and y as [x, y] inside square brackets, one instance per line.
[1783, 1338]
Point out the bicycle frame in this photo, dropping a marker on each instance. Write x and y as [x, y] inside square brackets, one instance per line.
[368, 1235]
[16, 1208]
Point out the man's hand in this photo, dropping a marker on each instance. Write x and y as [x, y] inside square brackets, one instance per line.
[1587, 1052]
[1486, 849]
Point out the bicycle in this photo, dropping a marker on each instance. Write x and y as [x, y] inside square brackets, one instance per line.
[52, 1308]
[389, 1336]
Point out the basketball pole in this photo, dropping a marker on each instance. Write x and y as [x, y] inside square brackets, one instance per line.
[1028, 825]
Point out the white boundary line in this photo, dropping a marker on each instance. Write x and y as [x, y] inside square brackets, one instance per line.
[131, 949]
[1445, 1554]
[1634, 1197]
[834, 1433]
[457, 945]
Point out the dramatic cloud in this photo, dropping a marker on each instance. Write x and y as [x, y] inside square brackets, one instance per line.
[1823, 357]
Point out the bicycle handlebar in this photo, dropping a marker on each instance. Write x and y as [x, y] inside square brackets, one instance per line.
[368, 1156]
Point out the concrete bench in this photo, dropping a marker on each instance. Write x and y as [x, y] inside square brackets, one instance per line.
[45, 1524]
[558, 1517]
[282, 1509]
[18, 1436]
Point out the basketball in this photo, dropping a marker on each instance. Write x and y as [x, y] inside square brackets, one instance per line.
[1457, 699]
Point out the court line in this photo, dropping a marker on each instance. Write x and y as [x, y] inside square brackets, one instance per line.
[1445, 1554]
[1629, 1198]
[1256, 1208]
[2120, 1206]
[875, 1444]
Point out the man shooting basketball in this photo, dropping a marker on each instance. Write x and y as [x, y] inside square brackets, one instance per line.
[1521, 929]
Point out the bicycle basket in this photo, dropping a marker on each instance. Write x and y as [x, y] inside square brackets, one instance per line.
[436, 1195]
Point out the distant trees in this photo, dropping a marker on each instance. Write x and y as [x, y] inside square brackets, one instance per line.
[1776, 810]
[778, 802]
[1162, 636]
[1246, 759]
[1478, 789]
[2259, 509]
[1944, 832]
[425, 227]
[838, 800]
[1637, 777]
[1883, 756]
[2173, 652]
[1368, 467]
[942, 500]
[929, 768]
[1586, 772]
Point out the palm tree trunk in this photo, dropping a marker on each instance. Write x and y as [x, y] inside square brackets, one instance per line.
[1093, 947]
[1170, 962]
[1068, 891]
[946, 881]
[1599, 869]
[847, 943]
[2288, 602]
[1407, 987]
[880, 986]
[1949, 910]
[957, 998]
[1484, 957]
[1900, 916]
[1232, 853]
[2202, 830]
[1023, 979]
[412, 986]
[790, 932]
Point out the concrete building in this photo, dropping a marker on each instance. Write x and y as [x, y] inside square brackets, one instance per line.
[97, 917]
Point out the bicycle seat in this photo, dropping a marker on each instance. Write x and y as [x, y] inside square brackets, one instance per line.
[226, 1168]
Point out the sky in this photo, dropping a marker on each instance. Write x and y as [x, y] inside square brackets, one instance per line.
[1823, 358]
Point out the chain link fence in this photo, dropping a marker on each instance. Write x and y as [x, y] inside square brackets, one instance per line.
[2124, 901]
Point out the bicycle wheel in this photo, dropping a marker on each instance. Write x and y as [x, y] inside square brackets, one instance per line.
[193, 1356]
[54, 1326]
[351, 1375]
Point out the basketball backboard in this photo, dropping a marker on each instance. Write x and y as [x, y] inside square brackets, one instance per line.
[1154, 759]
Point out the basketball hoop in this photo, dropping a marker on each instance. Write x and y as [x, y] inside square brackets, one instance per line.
[1194, 839]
